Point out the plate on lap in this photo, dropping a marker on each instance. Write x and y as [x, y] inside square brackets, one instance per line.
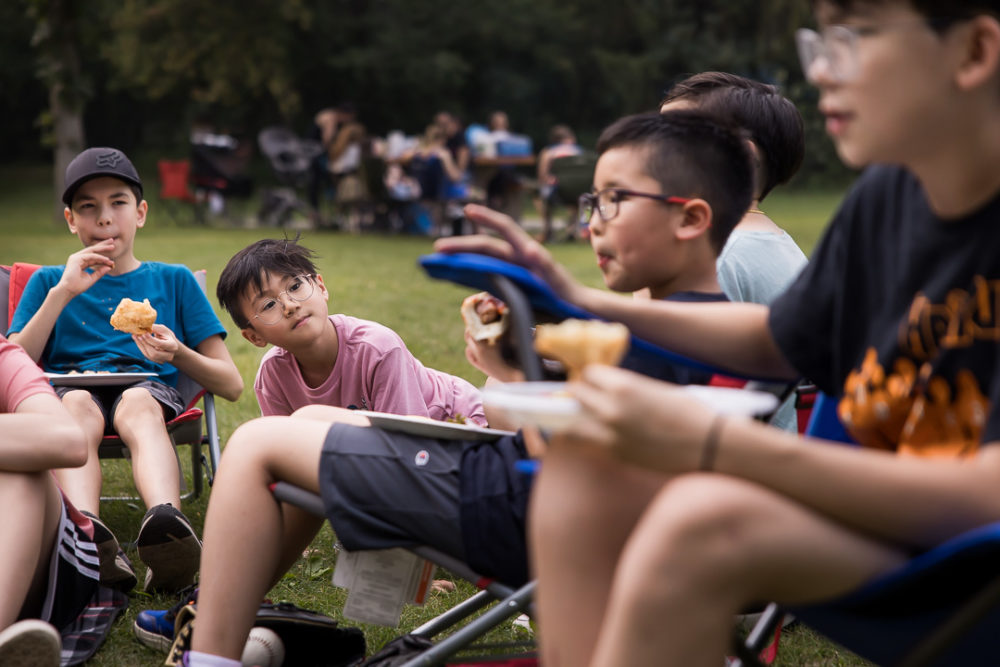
[547, 405]
[95, 379]
[430, 428]
[543, 404]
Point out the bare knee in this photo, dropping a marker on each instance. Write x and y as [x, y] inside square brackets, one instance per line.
[697, 529]
[137, 406]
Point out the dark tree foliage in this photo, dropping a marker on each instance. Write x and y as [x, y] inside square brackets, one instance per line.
[159, 66]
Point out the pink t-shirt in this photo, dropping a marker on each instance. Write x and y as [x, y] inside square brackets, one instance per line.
[374, 371]
[20, 377]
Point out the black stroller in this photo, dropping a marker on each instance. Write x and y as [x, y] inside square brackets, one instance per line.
[291, 158]
[219, 165]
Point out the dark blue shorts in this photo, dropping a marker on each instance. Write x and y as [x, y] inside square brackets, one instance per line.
[382, 490]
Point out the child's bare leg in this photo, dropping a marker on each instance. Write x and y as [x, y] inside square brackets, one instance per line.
[27, 536]
[710, 545]
[83, 485]
[140, 424]
[249, 537]
[582, 511]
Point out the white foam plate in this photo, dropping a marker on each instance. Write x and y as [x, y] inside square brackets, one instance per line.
[95, 379]
[431, 428]
[547, 405]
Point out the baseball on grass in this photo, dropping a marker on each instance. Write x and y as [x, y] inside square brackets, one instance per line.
[263, 649]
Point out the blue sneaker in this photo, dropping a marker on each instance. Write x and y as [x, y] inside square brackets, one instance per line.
[155, 627]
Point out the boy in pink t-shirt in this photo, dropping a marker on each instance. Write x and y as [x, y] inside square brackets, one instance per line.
[273, 292]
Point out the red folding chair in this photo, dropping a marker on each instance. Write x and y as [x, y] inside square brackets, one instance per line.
[184, 429]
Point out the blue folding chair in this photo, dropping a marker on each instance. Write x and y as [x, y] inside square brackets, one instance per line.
[941, 608]
[530, 298]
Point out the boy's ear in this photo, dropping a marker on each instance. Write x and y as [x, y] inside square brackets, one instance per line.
[255, 338]
[141, 209]
[981, 56]
[322, 286]
[697, 220]
[70, 220]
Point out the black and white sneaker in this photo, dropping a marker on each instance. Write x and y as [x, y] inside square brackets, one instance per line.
[170, 549]
[116, 568]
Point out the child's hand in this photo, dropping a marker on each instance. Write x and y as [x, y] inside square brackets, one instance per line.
[642, 421]
[76, 277]
[159, 346]
[514, 245]
[487, 358]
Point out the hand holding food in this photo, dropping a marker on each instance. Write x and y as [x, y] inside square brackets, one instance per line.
[134, 317]
[578, 343]
[485, 316]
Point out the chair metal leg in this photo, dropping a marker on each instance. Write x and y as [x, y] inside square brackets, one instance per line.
[506, 608]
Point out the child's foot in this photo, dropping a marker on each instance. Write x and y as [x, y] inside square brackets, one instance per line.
[170, 549]
[116, 569]
[30, 643]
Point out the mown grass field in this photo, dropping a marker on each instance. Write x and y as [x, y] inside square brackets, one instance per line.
[369, 276]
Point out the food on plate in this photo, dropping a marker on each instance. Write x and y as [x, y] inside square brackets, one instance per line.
[577, 343]
[486, 317]
[134, 317]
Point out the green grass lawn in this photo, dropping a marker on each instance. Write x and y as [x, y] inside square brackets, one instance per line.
[372, 277]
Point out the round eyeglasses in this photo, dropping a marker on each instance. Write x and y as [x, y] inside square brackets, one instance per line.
[606, 202]
[270, 310]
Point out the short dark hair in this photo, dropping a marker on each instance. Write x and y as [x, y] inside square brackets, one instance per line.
[248, 269]
[940, 14]
[771, 120]
[692, 153]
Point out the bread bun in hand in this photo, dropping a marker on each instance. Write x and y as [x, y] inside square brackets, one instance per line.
[485, 316]
[134, 317]
[577, 343]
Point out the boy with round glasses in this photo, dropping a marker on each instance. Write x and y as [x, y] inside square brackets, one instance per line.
[894, 316]
[275, 295]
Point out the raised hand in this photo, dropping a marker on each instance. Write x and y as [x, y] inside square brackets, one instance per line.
[513, 245]
[86, 266]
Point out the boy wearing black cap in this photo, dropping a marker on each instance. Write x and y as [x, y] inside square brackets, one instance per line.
[62, 321]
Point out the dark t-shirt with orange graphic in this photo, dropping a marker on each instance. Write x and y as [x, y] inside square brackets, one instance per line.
[898, 314]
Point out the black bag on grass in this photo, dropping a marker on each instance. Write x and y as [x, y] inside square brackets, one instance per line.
[311, 639]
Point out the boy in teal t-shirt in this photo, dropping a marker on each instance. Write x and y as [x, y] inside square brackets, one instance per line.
[62, 321]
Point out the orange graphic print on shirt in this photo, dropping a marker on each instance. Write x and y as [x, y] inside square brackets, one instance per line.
[907, 408]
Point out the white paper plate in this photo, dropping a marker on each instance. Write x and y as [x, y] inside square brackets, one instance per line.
[546, 404]
[95, 379]
[431, 428]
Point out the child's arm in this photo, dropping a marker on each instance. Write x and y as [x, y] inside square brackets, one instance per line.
[76, 279]
[39, 435]
[209, 364]
[910, 501]
[735, 336]
[487, 358]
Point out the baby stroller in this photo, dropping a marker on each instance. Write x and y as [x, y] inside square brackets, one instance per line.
[219, 169]
[291, 158]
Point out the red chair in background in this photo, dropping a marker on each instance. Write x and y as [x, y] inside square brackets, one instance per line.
[175, 188]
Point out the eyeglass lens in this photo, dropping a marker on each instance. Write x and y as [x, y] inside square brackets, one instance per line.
[300, 289]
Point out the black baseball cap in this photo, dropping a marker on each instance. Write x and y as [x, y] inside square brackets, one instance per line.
[95, 162]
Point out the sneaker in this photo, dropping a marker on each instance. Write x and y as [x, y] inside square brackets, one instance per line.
[30, 643]
[155, 627]
[116, 568]
[170, 549]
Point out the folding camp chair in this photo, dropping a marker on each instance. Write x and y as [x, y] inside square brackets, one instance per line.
[510, 601]
[941, 608]
[175, 189]
[184, 429]
[574, 175]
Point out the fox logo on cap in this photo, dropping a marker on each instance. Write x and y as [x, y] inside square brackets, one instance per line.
[109, 159]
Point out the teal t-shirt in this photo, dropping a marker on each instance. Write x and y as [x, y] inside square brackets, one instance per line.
[83, 338]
